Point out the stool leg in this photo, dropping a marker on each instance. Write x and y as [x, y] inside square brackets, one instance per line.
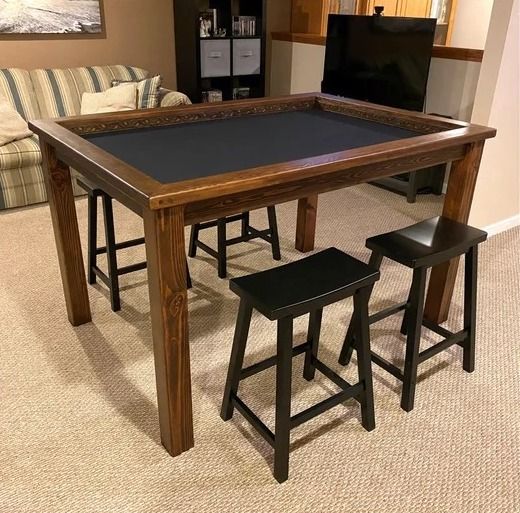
[194, 237]
[413, 340]
[92, 236]
[221, 247]
[350, 339]
[273, 228]
[470, 308]
[237, 358]
[245, 224]
[404, 322]
[111, 253]
[411, 193]
[188, 276]
[283, 399]
[313, 338]
[361, 298]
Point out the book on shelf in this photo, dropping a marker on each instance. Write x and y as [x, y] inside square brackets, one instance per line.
[244, 25]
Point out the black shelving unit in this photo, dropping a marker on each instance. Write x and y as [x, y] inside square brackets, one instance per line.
[198, 58]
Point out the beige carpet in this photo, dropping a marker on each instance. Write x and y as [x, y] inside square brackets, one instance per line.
[78, 417]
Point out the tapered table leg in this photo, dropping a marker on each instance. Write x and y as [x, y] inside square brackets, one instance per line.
[306, 223]
[165, 253]
[66, 234]
[457, 206]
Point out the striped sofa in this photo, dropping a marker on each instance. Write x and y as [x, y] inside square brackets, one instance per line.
[51, 93]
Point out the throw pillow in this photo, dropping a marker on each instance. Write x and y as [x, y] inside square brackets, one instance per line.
[122, 97]
[12, 126]
[148, 91]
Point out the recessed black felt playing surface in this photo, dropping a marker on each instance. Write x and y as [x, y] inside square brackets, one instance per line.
[196, 150]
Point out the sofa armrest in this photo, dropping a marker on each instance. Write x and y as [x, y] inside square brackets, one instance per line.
[172, 98]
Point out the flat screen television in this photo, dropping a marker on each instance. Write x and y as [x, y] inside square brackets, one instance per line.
[379, 59]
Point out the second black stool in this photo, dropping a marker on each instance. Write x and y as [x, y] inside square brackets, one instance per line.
[248, 233]
[281, 294]
[420, 247]
[111, 278]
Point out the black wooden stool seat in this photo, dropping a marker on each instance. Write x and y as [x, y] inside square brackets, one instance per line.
[427, 243]
[281, 294]
[111, 278]
[248, 233]
[309, 283]
[420, 247]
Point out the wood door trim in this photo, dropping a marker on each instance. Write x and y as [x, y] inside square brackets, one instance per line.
[439, 51]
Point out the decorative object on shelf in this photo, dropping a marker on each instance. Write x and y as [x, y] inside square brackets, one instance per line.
[51, 19]
[208, 23]
[244, 25]
[211, 96]
[241, 93]
[220, 32]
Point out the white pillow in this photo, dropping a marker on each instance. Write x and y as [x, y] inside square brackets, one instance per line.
[121, 97]
[12, 126]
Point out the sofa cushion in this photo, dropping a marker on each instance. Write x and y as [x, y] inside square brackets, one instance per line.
[119, 98]
[22, 186]
[16, 86]
[12, 126]
[25, 152]
[59, 91]
[148, 91]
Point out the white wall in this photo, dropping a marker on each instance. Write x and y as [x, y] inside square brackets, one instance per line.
[451, 88]
[307, 69]
[471, 23]
[497, 197]
[298, 68]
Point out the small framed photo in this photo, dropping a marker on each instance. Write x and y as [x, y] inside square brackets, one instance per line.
[208, 23]
[241, 93]
[211, 96]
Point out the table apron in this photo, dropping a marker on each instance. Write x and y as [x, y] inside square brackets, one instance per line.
[214, 208]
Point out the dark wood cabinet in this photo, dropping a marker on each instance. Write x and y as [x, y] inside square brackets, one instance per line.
[231, 63]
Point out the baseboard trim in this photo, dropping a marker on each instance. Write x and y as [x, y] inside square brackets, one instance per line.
[502, 226]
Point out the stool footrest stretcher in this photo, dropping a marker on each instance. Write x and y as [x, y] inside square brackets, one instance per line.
[270, 362]
[348, 391]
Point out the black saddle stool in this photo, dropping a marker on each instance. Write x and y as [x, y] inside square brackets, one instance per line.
[111, 278]
[281, 294]
[248, 233]
[420, 247]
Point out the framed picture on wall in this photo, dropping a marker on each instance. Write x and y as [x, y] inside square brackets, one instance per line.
[48, 19]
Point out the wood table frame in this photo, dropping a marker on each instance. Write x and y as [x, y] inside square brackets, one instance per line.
[168, 208]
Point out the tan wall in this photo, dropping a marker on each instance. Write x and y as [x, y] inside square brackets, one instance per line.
[138, 33]
[278, 20]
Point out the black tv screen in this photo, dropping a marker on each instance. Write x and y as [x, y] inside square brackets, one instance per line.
[379, 59]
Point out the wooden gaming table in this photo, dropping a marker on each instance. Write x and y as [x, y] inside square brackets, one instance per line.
[178, 166]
